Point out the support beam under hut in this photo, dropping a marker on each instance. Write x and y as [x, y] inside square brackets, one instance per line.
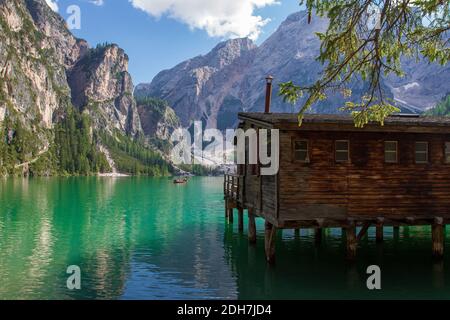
[241, 219]
[437, 232]
[318, 235]
[230, 215]
[379, 230]
[269, 240]
[251, 227]
[350, 233]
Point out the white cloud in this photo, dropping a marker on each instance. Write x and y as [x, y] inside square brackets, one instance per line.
[97, 2]
[220, 18]
[53, 4]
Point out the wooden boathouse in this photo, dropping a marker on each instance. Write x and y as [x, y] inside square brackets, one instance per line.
[333, 174]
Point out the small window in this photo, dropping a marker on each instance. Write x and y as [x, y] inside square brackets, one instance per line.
[447, 152]
[391, 151]
[301, 151]
[342, 150]
[421, 152]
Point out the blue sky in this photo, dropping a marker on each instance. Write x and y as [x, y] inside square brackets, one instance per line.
[158, 34]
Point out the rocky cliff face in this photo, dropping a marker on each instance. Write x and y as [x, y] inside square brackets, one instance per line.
[45, 70]
[158, 118]
[33, 80]
[198, 89]
[102, 86]
[44, 67]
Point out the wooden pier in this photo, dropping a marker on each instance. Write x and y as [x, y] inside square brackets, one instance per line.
[333, 175]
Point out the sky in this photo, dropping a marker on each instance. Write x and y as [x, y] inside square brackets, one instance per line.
[159, 34]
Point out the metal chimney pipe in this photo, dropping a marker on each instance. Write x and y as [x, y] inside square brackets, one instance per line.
[269, 81]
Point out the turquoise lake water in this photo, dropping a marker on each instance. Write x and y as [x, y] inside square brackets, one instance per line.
[143, 238]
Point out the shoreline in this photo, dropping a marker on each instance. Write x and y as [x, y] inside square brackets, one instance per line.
[113, 175]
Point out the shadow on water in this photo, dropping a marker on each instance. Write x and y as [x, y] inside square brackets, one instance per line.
[141, 238]
[304, 270]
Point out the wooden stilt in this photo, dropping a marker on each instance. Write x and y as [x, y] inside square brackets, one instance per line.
[379, 230]
[350, 233]
[297, 232]
[438, 237]
[318, 235]
[363, 232]
[269, 240]
[251, 227]
[226, 209]
[241, 219]
[379, 233]
[230, 215]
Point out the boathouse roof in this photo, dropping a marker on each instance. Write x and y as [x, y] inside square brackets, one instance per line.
[403, 122]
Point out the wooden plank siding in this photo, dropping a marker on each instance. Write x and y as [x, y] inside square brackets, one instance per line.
[366, 186]
[261, 192]
[320, 189]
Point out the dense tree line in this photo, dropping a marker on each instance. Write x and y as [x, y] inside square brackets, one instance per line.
[134, 157]
[17, 144]
[442, 109]
[76, 146]
[73, 150]
[200, 170]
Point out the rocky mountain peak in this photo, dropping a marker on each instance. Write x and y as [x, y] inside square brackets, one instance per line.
[228, 51]
[102, 86]
[230, 78]
[57, 37]
[52, 68]
[191, 81]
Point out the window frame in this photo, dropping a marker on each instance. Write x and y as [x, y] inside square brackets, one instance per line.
[295, 150]
[336, 151]
[390, 151]
[447, 152]
[427, 152]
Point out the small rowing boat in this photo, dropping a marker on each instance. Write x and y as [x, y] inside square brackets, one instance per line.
[181, 181]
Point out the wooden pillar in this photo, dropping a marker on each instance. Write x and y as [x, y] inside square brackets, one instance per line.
[379, 233]
[230, 214]
[379, 230]
[251, 227]
[269, 241]
[438, 237]
[350, 233]
[226, 208]
[241, 219]
[318, 233]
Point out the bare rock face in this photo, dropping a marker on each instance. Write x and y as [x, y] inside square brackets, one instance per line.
[196, 88]
[44, 69]
[231, 78]
[158, 118]
[33, 83]
[102, 86]
[57, 38]
[424, 85]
